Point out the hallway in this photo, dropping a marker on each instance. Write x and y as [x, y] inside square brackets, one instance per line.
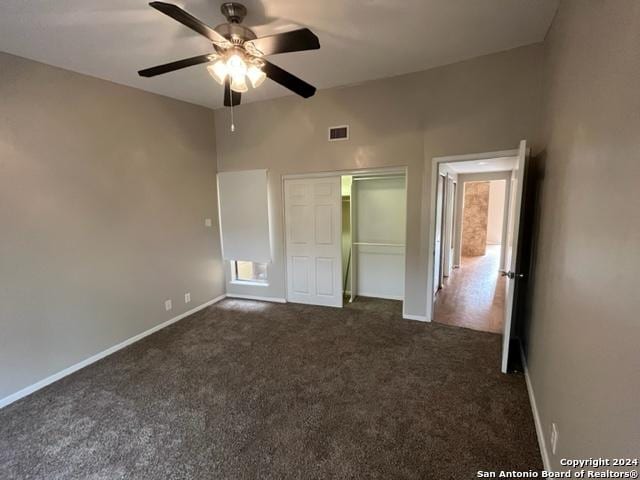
[473, 296]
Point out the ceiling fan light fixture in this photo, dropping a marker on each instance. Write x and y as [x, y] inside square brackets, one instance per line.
[239, 85]
[218, 71]
[236, 67]
[237, 57]
[256, 76]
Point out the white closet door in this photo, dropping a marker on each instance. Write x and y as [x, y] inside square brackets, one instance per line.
[313, 216]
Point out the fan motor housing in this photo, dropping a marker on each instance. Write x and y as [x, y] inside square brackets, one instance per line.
[235, 33]
[234, 12]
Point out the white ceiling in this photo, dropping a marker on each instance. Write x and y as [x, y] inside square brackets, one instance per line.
[481, 166]
[360, 39]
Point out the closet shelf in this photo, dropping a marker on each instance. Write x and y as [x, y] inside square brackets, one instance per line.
[372, 244]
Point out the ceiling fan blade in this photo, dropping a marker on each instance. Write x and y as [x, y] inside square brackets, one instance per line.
[190, 21]
[177, 65]
[293, 41]
[288, 80]
[230, 96]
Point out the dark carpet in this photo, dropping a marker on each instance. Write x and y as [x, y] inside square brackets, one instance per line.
[247, 389]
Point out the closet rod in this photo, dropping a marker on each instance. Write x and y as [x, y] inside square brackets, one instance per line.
[373, 244]
[380, 177]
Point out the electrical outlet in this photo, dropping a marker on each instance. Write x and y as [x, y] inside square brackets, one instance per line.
[167, 305]
[187, 297]
[554, 438]
[207, 222]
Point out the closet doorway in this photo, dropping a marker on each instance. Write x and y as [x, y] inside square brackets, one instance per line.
[374, 236]
[345, 236]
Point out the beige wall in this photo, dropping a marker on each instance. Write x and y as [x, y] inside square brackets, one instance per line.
[103, 194]
[584, 333]
[496, 212]
[485, 104]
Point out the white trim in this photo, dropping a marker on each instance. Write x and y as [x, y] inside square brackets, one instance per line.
[477, 156]
[248, 283]
[255, 297]
[384, 297]
[435, 162]
[409, 316]
[98, 356]
[536, 416]
[419, 318]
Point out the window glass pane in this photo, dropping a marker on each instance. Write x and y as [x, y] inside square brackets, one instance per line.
[251, 271]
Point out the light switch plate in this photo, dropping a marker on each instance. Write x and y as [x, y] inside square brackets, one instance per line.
[207, 222]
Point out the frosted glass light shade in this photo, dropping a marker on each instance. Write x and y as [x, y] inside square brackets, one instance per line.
[236, 67]
[239, 85]
[218, 71]
[256, 76]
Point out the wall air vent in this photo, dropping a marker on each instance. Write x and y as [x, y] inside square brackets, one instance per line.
[341, 132]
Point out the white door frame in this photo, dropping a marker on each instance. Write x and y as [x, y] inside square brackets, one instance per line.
[400, 170]
[449, 225]
[435, 163]
[440, 201]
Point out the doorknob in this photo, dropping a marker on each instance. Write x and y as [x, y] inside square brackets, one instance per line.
[511, 275]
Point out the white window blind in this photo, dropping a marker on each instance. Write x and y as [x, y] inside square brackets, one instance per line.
[244, 215]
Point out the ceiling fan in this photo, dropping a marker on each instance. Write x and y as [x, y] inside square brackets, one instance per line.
[239, 53]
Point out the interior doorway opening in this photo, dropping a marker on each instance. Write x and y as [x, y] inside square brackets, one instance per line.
[470, 289]
[474, 258]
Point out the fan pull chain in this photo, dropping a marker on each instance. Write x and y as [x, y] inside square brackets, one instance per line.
[233, 126]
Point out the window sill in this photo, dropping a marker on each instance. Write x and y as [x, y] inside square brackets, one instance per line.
[249, 283]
